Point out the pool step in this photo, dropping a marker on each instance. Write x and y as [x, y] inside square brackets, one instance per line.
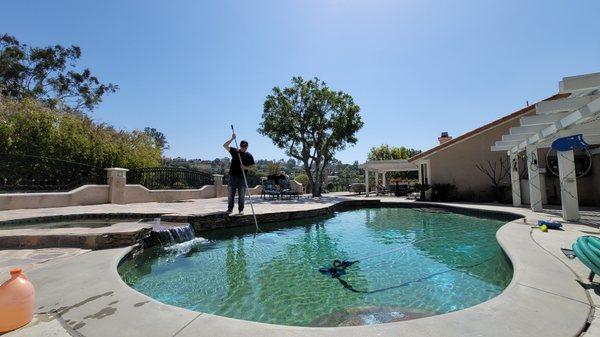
[121, 234]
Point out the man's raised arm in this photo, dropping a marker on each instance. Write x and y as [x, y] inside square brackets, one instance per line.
[227, 144]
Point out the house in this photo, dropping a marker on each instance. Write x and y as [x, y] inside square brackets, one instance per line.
[454, 161]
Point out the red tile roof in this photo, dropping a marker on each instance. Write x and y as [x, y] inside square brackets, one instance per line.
[469, 134]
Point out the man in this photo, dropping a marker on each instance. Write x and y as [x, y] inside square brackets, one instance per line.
[236, 177]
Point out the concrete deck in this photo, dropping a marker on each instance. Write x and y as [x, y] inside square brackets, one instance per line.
[79, 293]
[194, 207]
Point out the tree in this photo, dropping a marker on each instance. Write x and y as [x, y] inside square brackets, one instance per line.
[311, 122]
[290, 165]
[28, 127]
[497, 172]
[159, 138]
[273, 168]
[48, 74]
[385, 152]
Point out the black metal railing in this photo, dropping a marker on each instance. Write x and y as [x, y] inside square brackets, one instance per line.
[160, 178]
[25, 173]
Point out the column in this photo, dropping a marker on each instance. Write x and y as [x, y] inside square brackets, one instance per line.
[117, 179]
[366, 182]
[384, 182]
[535, 192]
[568, 185]
[515, 180]
[219, 191]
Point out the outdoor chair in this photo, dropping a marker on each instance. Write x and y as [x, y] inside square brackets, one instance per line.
[356, 188]
[270, 189]
[382, 190]
[286, 189]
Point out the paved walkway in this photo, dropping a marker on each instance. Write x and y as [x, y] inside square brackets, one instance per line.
[552, 242]
[31, 259]
[79, 292]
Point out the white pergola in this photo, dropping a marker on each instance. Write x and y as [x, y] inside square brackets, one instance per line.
[384, 166]
[578, 113]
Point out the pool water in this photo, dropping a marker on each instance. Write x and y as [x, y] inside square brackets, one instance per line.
[437, 262]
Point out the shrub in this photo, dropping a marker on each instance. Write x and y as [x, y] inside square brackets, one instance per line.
[28, 127]
[302, 178]
[443, 192]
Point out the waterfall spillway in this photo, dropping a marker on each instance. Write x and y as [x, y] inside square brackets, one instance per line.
[177, 238]
[170, 234]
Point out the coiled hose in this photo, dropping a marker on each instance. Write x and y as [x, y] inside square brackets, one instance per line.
[587, 249]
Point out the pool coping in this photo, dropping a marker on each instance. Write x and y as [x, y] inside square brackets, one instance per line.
[541, 285]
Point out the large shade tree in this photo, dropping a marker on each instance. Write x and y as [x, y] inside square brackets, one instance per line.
[49, 74]
[311, 122]
[386, 152]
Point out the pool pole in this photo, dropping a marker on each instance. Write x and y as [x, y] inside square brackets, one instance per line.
[245, 180]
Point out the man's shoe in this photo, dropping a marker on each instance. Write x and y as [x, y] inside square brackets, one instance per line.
[228, 211]
[241, 213]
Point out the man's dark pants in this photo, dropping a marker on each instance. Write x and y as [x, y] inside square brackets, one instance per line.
[236, 184]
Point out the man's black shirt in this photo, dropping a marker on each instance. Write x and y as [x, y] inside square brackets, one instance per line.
[235, 169]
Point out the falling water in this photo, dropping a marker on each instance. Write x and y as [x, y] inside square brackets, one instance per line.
[169, 234]
[177, 238]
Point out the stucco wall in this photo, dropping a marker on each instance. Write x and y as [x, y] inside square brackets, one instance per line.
[456, 163]
[99, 194]
[84, 195]
[138, 193]
[588, 189]
[596, 178]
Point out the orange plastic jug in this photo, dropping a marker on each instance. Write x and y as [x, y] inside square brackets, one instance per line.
[16, 301]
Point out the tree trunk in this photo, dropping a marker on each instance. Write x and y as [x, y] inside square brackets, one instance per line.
[316, 184]
[316, 190]
[317, 180]
[311, 180]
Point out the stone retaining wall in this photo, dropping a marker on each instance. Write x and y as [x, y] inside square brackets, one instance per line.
[218, 220]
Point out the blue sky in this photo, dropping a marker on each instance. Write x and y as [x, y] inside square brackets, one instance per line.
[415, 67]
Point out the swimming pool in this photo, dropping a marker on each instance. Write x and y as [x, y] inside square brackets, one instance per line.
[437, 262]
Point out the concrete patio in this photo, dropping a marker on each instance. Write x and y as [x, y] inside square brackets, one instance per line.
[79, 292]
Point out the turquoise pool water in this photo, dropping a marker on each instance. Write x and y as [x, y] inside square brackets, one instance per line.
[439, 262]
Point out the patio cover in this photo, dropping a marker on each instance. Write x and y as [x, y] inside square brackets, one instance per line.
[383, 166]
[579, 113]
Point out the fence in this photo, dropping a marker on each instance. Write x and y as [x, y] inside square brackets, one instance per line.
[160, 178]
[25, 173]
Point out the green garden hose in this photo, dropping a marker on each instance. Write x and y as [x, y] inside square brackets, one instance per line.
[587, 249]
